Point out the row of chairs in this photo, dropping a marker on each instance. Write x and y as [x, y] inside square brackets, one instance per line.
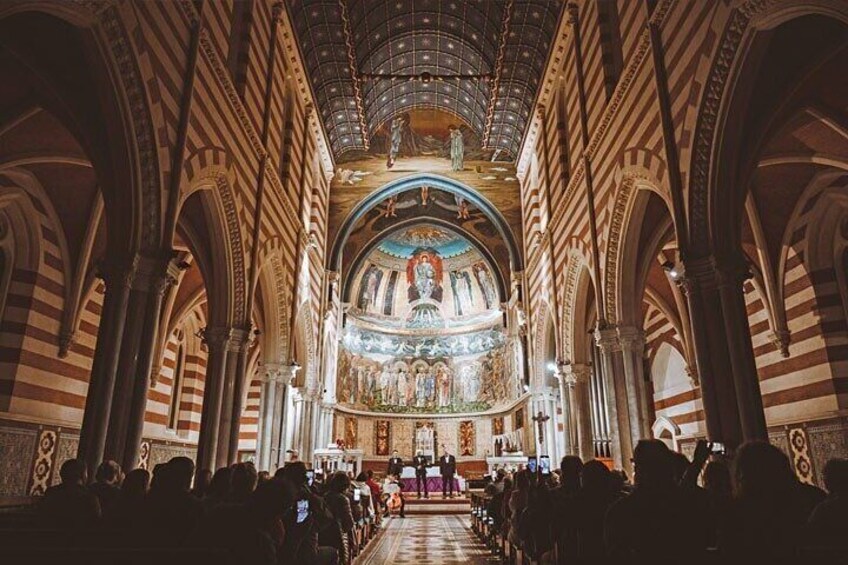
[484, 526]
[365, 529]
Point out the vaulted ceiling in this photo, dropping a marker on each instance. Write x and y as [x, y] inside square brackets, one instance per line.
[480, 60]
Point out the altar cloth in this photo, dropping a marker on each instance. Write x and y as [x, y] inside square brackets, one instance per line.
[434, 485]
[434, 480]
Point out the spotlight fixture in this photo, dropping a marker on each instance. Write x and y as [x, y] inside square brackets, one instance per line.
[670, 267]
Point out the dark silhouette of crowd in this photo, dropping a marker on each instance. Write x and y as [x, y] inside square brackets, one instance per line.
[294, 517]
[750, 508]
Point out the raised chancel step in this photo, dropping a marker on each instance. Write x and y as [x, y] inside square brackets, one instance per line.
[437, 505]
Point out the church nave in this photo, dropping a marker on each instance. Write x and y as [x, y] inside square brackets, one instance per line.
[427, 539]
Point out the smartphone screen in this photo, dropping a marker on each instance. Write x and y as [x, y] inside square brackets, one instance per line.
[717, 448]
[357, 495]
[302, 510]
[545, 465]
[310, 477]
[532, 464]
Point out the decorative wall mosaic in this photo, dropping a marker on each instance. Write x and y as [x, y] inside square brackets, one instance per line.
[43, 464]
[17, 447]
[66, 448]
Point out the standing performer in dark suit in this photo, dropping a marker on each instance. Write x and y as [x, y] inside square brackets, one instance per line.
[420, 464]
[395, 465]
[447, 467]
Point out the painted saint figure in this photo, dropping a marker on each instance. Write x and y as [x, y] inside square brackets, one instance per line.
[401, 389]
[425, 277]
[444, 383]
[396, 136]
[457, 149]
[420, 388]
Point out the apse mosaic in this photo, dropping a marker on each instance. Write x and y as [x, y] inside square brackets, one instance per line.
[424, 331]
[420, 385]
[425, 277]
[447, 208]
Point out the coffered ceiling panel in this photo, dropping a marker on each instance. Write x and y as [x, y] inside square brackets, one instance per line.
[370, 60]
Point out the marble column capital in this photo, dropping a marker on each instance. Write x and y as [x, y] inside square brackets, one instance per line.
[155, 273]
[631, 338]
[607, 339]
[240, 340]
[118, 272]
[279, 373]
[217, 337]
[575, 373]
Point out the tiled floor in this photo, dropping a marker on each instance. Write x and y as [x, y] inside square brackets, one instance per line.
[427, 539]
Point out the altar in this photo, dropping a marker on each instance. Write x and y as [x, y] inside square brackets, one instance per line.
[434, 480]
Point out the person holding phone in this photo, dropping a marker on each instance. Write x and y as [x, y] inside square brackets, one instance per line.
[308, 516]
[447, 467]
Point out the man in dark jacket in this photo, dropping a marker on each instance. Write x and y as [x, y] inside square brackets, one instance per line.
[447, 467]
[70, 505]
[395, 465]
[420, 464]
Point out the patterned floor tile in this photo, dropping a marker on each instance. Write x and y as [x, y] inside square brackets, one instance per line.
[427, 540]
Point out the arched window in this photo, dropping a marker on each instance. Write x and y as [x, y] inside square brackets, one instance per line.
[177, 385]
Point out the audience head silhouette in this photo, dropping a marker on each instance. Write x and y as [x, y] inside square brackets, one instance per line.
[762, 470]
[73, 472]
[653, 464]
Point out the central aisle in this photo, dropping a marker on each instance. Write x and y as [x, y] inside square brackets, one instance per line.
[427, 539]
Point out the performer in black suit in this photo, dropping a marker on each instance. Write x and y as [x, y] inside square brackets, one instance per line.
[395, 465]
[447, 467]
[420, 464]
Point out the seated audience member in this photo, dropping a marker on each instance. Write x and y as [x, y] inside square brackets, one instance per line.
[242, 482]
[376, 491]
[107, 485]
[829, 521]
[368, 507]
[302, 528]
[505, 512]
[69, 505]
[571, 468]
[597, 494]
[518, 500]
[130, 504]
[171, 512]
[657, 522]
[769, 509]
[719, 488]
[496, 486]
[251, 532]
[218, 491]
[338, 503]
[201, 483]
